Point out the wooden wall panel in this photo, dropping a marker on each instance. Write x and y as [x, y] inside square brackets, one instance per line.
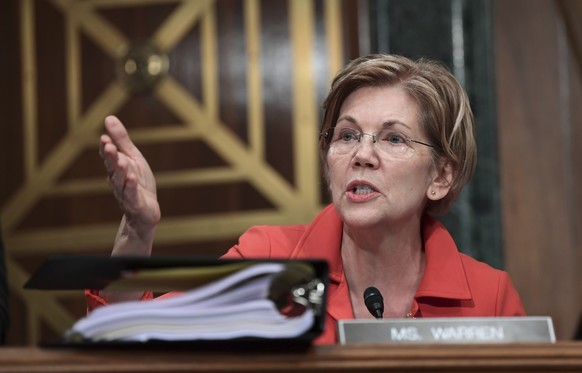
[571, 11]
[231, 133]
[538, 85]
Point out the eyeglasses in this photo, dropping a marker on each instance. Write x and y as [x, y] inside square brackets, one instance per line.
[343, 140]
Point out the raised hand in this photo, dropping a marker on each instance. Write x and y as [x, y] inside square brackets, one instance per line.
[133, 185]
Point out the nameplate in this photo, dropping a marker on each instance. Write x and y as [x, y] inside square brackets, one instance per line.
[448, 330]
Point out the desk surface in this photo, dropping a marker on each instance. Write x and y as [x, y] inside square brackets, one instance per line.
[562, 357]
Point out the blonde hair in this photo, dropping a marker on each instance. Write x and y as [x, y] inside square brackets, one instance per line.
[445, 112]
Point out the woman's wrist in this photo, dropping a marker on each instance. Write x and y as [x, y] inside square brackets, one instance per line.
[134, 239]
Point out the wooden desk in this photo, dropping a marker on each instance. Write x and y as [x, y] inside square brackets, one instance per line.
[561, 357]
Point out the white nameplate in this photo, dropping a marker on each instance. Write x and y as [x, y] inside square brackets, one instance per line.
[448, 330]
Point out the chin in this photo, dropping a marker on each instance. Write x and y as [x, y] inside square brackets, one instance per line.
[360, 217]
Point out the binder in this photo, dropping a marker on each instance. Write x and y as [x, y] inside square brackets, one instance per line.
[178, 273]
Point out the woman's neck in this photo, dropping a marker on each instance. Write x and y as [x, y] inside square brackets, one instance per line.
[392, 261]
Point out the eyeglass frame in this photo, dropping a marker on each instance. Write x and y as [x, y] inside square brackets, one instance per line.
[360, 135]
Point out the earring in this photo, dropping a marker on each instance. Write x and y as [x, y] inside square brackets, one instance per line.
[432, 192]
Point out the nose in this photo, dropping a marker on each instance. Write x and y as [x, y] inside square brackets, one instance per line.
[365, 154]
[367, 134]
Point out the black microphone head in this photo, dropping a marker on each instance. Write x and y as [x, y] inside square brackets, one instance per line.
[374, 302]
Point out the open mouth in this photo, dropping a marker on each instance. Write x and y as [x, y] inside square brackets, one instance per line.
[362, 189]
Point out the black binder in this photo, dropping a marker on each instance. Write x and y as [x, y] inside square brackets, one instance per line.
[79, 272]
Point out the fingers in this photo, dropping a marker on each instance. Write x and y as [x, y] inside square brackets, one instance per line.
[119, 173]
[117, 167]
[117, 134]
[108, 153]
[129, 175]
[116, 150]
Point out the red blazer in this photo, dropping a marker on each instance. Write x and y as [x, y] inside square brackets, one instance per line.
[453, 284]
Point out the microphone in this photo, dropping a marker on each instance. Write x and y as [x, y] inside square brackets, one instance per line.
[374, 302]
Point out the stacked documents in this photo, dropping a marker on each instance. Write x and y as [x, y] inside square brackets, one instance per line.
[243, 300]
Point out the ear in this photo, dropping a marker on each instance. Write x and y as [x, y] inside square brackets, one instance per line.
[441, 182]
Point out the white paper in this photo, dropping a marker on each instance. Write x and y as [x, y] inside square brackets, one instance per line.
[232, 307]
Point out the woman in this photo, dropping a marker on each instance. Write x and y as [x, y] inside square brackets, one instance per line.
[397, 145]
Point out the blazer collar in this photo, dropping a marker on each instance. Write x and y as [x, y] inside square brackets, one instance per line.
[444, 275]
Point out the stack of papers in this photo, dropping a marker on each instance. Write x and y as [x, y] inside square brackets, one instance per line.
[252, 300]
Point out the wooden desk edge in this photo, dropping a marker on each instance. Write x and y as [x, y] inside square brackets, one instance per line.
[562, 356]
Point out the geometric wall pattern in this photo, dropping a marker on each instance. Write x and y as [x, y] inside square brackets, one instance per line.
[222, 100]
